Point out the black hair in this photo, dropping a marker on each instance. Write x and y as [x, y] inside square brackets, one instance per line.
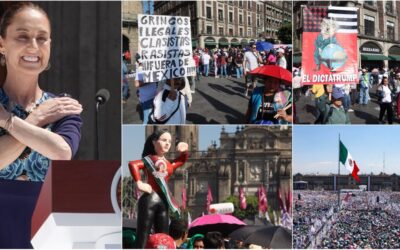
[178, 228]
[383, 78]
[148, 145]
[213, 240]
[13, 10]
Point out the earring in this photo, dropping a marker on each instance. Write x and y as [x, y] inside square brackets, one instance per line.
[3, 60]
[48, 66]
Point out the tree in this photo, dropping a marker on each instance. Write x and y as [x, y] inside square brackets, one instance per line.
[251, 210]
[285, 33]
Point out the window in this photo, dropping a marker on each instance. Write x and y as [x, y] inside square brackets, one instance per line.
[241, 32]
[231, 17]
[209, 12]
[369, 23]
[240, 19]
[258, 21]
[248, 20]
[389, 7]
[220, 15]
[372, 3]
[240, 3]
[231, 32]
[221, 31]
[249, 32]
[209, 30]
[390, 30]
[249, 5]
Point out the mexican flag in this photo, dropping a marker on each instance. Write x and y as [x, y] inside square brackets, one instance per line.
[350, 164]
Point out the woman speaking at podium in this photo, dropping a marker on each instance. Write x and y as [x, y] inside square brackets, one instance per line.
[35, 126]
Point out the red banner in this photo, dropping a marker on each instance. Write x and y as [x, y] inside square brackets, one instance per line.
[329, 47]
[209, 199]
[242, 199]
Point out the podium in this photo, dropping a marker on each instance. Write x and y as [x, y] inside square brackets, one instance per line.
[78, 206]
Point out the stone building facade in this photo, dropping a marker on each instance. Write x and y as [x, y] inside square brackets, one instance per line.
[250, 157]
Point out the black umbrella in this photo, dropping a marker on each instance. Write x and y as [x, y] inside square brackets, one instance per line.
[271, 237]
[243, 232]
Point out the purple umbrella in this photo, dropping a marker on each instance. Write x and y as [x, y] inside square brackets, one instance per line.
[222, 223]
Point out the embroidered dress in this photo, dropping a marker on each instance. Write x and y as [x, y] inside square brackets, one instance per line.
[29, 163]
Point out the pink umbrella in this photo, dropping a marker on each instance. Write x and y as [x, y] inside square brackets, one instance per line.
[222, 223]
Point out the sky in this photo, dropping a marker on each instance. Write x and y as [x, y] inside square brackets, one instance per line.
[133, 137]
[316, 148]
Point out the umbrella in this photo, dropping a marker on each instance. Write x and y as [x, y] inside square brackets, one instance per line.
[243, 232]
[222, 223]
[264, 46]
[273, 71]
[271, 237]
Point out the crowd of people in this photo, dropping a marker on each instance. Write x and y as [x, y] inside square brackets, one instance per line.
[364, 220]
[333, 103]
[178, 238]
[168, 102]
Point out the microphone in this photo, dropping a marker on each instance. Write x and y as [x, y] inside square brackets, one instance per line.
[102, 96]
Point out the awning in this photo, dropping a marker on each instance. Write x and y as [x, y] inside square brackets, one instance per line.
[223, 43]
[194, 43]
[374, 57]
[235, 43]
[394, 57]
[210, 43]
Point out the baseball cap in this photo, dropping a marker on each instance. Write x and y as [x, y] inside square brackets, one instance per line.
[337, 93]
[160, 241]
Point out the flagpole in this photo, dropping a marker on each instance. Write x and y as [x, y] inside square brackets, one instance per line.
[337, 184]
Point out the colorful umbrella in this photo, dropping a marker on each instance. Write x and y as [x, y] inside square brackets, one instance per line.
[273, 71]
[222, 223]
[264, 46]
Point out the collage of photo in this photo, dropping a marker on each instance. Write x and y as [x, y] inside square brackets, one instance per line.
[150, 124]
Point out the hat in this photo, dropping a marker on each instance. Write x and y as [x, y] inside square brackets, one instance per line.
[160, 241]
[280, 50]
[336, 93]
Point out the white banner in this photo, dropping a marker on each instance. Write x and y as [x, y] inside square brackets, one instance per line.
[165, 47]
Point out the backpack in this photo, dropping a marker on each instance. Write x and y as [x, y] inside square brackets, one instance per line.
[152, 120]
[328, 115]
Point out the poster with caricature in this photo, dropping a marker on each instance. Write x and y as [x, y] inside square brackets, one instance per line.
[330, 52]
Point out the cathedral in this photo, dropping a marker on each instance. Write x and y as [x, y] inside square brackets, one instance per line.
[250, 157]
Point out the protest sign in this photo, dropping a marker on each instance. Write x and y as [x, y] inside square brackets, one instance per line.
[330, 52]
[165, 47]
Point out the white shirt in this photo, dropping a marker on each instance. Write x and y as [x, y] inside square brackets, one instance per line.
[163, 110]
[251, 60]
[205, 59]
[387, 97]
[281, 62]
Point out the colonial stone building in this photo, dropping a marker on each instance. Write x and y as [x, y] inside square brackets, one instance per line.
[378, 182]
[378, 31]
[229, 23]
[250, 157]
[130, 37]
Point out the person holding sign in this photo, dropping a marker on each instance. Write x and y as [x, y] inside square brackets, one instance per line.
[170, 104]
[156, 201]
